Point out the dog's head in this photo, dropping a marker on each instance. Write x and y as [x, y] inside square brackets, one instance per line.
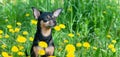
[46, 19]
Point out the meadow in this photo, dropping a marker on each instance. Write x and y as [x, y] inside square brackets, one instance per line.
[85, 28]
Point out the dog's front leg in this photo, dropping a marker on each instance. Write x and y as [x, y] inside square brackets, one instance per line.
[32, 53]
[35, 50]
[50, 50]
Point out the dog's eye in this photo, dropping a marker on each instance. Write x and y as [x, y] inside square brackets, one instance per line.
[45, 20]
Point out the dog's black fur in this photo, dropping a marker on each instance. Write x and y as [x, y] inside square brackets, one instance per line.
[46, 20]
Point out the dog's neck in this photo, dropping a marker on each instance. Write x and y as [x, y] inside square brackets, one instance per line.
[45, 31]
[42, 34]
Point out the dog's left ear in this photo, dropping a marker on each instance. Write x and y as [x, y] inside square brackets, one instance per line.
[57, 12]
[36, 12]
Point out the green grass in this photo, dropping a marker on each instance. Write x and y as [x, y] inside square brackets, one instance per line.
[92, 19]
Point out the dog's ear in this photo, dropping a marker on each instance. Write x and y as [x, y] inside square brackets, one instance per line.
[57, 12]
[36, 12]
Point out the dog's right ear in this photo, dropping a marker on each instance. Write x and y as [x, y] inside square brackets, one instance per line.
[36, 12]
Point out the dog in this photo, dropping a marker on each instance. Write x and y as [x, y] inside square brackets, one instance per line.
[46, 21]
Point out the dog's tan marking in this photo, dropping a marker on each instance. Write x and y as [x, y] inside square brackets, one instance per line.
[45, 30]
[50, 50]
[48, 16]
[36, 49]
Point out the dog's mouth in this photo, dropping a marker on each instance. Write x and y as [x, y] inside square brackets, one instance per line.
[51, 26]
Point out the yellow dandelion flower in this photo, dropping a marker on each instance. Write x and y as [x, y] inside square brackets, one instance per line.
[1, 31]
[110, 46]
[51, 56]
[21, 39]
[18, 23]
[10, 56]
[78, 44]
[25, 33]
[34, 22]
[0, 36]
[57, 28]
[113, 50]
[62, 26]
[31, 38]
[17, 29]
[3, 46]
[108, 36]
[65, 41]
[9, 26]
[20, 47]
[41, 52]
[70, 54]
[11, 30]
[70, 48]
[114, 41]
[86, 45]
[4, 54]
[95, 48]
[14, 49]
[6, 36]
[71, 35]
[27, 14]
[21, 53]
[43, 44]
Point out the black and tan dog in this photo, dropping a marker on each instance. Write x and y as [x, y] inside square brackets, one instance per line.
[46, 20]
